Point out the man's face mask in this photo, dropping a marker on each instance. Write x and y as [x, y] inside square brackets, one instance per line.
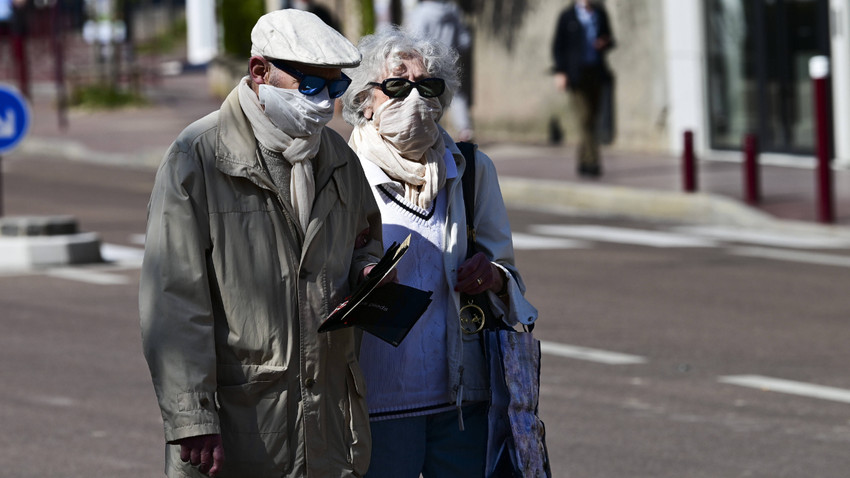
[295, 113]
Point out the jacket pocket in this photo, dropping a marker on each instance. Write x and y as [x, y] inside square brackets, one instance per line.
[357, 416]
[254, 421]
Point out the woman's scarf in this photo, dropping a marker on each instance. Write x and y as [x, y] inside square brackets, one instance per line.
[403, 139]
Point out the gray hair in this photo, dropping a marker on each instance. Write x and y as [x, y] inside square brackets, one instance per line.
[381, 53]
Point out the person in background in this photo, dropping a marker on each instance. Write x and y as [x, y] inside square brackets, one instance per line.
[443, 21]
[319, 10]
[582, 39]
[428, 398]
[259, 224]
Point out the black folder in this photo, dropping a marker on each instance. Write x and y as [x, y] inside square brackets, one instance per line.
[387, 312]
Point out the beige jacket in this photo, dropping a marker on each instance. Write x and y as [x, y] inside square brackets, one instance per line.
[232, 292]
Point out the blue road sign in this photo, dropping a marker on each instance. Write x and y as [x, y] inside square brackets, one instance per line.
[14, 118]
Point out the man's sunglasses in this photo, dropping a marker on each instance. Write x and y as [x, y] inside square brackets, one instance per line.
[400, 87]
[312, 85]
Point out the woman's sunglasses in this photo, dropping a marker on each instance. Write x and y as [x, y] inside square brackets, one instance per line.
[400, 87]
[312, 85]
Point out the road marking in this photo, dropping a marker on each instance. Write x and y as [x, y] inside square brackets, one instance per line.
[592, 355]
[530, 242]
[776, 239]
[792, 256]
[788, 386]
[624, 235]
[86, 275]
[121, 254]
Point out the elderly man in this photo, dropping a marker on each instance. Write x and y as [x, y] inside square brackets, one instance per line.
[258, 226]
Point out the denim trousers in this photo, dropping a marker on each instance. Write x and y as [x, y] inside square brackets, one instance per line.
[432, 446]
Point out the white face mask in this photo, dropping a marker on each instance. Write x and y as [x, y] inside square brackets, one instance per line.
[295, 113]
[409, 124]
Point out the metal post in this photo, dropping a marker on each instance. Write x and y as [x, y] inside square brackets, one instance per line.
[57, 28]
[19, 49]
[819, 71]
[689, 170]
[1, 185]
[752, 186]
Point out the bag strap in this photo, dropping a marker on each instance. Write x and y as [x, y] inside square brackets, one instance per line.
[468, 183]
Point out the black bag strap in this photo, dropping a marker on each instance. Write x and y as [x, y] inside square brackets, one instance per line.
[468, 183]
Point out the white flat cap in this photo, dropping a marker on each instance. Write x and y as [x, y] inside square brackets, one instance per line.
[296, 35]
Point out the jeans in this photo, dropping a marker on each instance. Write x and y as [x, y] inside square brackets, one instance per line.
[431, 445]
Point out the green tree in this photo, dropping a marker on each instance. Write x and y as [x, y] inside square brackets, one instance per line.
[238, 18]
[367, 17]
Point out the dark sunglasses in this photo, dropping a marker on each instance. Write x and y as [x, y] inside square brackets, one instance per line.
[312, 85]
[400, 87]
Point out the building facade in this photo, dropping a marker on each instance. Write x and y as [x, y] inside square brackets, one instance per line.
[719, 68]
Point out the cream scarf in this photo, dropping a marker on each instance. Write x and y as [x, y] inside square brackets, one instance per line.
[422, 174]
[298, 151]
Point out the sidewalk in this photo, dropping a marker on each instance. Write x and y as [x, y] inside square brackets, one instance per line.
[634, 184]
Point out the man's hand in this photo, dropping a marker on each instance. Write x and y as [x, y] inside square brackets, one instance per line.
[561, 81]
[477, 274]
[391, 277]
[203, 451]
[601, 43]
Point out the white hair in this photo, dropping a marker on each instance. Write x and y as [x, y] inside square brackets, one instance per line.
[385, 50]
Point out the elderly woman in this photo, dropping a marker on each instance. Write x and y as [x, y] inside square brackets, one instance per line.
[428, 397]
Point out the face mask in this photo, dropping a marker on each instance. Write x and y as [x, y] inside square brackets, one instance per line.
[295, 113]
[409, 124]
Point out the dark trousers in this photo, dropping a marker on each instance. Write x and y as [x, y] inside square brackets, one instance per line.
[586, 98]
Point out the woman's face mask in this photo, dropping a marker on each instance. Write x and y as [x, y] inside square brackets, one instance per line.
[295, 113]
[410, 123]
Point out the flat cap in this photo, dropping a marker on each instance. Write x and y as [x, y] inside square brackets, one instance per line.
[296, 35]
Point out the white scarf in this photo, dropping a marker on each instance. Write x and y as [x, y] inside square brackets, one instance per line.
[403, 139]
[298, 151]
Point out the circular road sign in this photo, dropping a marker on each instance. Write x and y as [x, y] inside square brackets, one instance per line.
[14, 118]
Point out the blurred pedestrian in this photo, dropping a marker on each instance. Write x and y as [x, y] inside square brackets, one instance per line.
[582, 39]
[442, 20]
[258, 226]
[319, 10]
[428, 398]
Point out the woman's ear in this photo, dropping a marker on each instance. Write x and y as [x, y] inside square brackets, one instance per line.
[257, 69]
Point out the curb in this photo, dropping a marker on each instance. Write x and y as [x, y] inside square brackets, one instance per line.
[618, 201]
[556, 196]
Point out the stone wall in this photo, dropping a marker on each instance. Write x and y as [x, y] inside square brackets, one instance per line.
[515, 97]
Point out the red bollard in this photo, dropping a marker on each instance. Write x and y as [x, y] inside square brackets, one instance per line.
[819, 71]
[19, 47]
[689, 168]
[752, 186]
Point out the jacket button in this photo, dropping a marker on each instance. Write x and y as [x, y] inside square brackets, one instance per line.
[309, 382]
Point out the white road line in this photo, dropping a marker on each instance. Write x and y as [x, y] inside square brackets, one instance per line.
[86, 275]
[121, 254]
[769, 384]
[623, 235]
[530, 242]
[776, 239]
[792, 256]
[592, 355]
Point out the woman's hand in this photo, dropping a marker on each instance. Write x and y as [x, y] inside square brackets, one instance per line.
[477, 274]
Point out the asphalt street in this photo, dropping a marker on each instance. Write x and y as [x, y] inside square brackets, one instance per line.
[671, 349]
